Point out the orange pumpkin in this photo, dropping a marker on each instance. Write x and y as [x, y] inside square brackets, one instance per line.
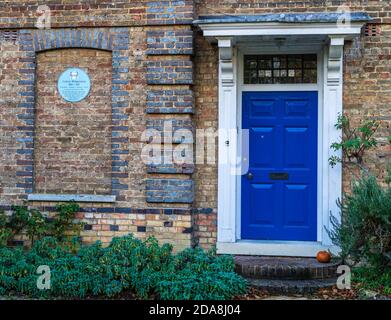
[323, 257]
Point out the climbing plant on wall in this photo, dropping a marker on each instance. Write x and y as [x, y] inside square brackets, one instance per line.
[355, 142]
[33, 223]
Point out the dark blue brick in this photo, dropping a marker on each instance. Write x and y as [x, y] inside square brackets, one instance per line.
[120, 93]
[24, 174]
[121, 70]
[27, 94]
[141, 229]
[120, 163]
[123, 210]
[120, 186]
[114, 227]
[117, 81]
[187, 230]
[25, 82]
[105, 210]
[24, 185]
[24, 151]
[120, 152]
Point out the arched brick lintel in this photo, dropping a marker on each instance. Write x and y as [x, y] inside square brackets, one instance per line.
[43, 40]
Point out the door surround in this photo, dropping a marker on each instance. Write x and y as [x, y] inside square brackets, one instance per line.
[233, 43]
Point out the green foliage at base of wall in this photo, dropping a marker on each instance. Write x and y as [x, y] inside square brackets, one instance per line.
[364, 233]
[370, 279]
[143, 267]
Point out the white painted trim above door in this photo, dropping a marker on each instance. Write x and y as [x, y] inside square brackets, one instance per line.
[329, 179]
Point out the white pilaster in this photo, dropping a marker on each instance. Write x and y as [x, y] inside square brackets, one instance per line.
[227, 142]
[333, 95]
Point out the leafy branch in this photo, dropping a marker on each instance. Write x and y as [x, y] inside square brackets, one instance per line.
[355, 141]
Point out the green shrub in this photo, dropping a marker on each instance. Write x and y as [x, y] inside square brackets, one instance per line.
[365, 228]
[199, 276]
[370, 279]
[144, 267]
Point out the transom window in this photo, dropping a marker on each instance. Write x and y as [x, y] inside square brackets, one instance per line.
[280, 69]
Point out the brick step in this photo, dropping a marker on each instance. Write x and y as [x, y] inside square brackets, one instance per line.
[292, 286]
[284, 268]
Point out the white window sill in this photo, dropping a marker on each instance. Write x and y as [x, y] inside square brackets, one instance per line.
[71, 197]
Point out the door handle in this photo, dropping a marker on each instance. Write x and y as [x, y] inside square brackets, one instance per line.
[250, 176]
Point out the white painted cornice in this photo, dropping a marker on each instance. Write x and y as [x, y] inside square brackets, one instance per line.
[280, 29]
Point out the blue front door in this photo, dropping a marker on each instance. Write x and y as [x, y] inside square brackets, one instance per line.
[279, 192]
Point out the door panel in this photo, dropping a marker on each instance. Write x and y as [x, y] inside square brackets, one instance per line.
[263, 108]
[296, 205]
[279, 198]
[296, 108]
[265, 139]
[296, 153]
[259, 196]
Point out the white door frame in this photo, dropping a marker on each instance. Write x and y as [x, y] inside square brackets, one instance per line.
[330, 85]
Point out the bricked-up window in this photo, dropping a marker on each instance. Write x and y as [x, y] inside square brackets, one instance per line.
[280, 69]
[72, 147]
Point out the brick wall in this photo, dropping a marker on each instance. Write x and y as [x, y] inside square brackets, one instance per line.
[367, 85]
[170, 101]
[159, 73]
[73, 140]
[206, 106]
[150, 200]
[88, 13]
[169, 108]
[10, 137]
[170, 42]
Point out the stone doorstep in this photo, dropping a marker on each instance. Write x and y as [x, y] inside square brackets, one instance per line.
[284, 268]
[291, 286]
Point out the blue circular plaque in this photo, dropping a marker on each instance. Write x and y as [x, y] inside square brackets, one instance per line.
[74, 85]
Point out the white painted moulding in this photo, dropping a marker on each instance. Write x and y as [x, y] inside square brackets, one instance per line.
[71, 197]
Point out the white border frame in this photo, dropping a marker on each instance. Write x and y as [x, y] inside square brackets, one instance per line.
[329, 179]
